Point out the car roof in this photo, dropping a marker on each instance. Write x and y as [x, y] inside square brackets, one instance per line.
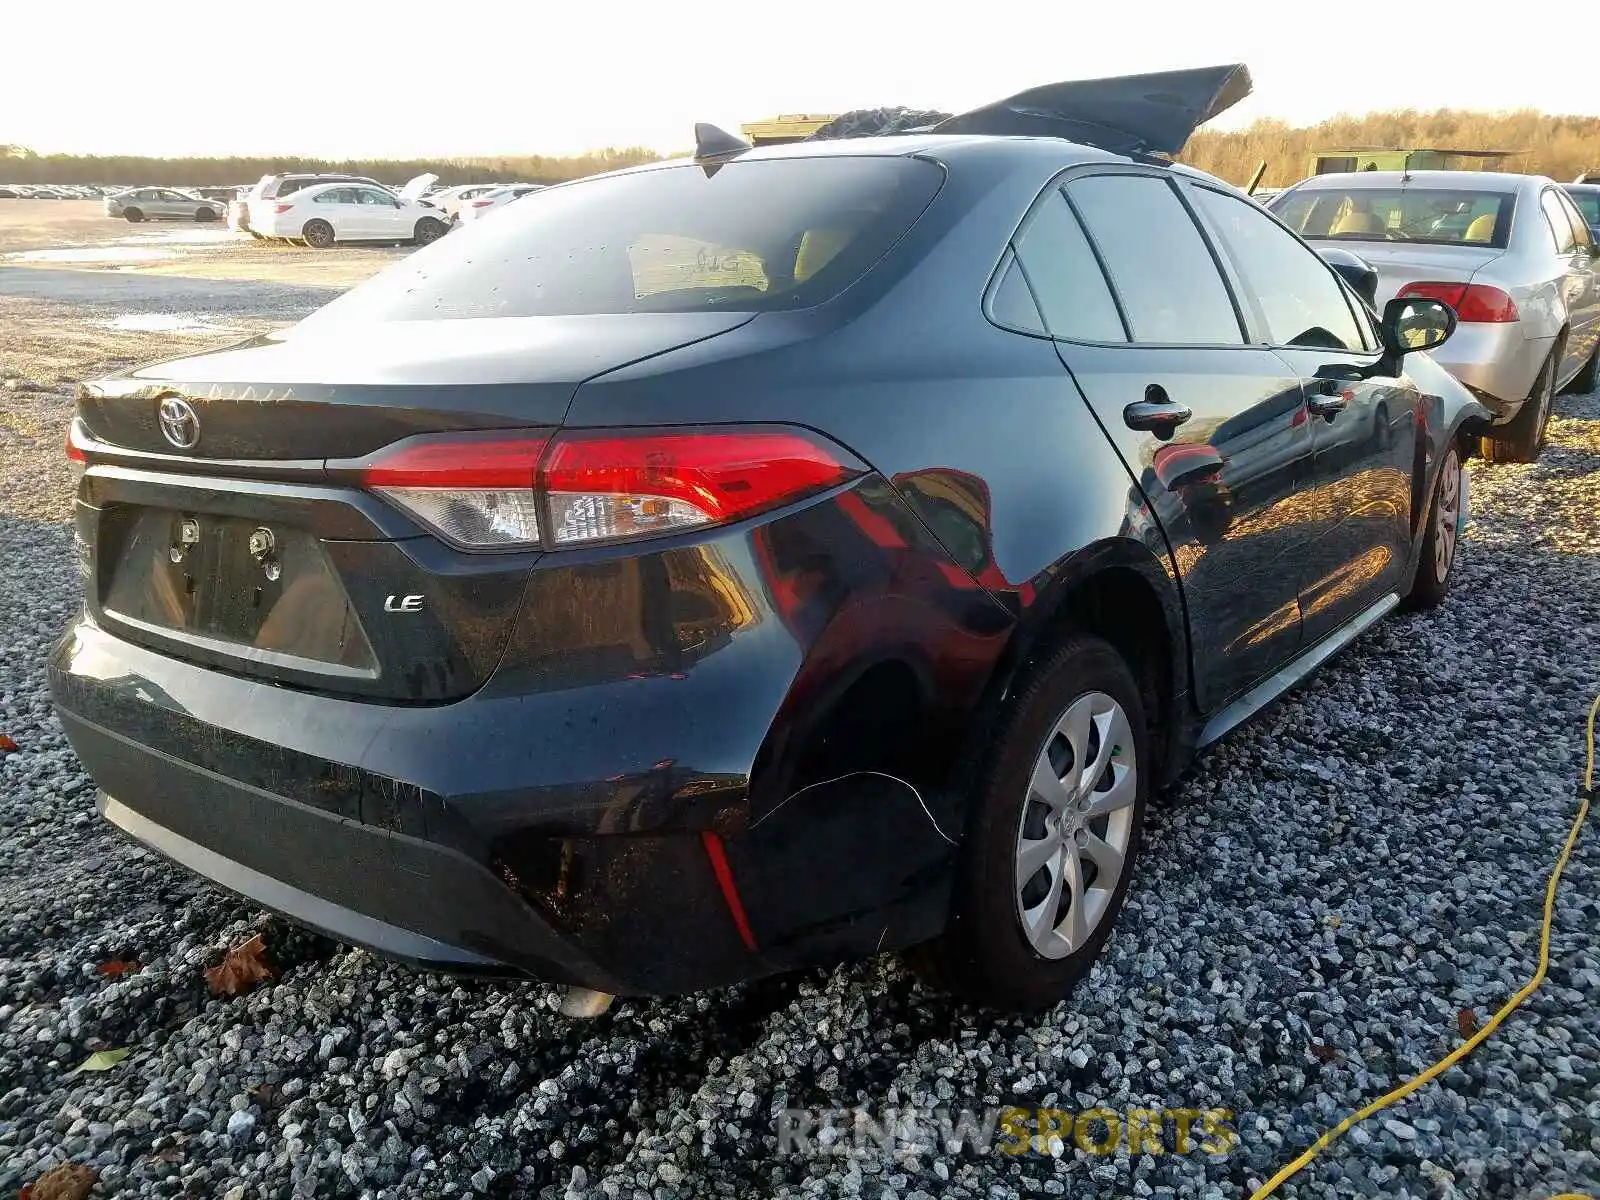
[1482, 181]
[1582, 187]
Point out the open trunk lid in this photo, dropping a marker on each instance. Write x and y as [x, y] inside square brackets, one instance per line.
[223, 517]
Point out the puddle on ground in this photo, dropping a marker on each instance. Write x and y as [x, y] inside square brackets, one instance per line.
[164, 323]
[84, 254]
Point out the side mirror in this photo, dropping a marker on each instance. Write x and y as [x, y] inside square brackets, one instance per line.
[1416, 323]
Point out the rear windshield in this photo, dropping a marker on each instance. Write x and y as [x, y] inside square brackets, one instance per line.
[744, 237]
[1434, 215]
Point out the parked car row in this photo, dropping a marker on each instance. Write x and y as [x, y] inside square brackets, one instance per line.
[53, 191]
[323, 210]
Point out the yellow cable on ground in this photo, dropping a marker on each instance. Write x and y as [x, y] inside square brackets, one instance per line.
[1473, 1042]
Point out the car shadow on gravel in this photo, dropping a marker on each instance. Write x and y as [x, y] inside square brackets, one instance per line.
[1327, 901]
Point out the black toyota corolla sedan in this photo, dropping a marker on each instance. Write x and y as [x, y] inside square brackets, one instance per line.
[759, 559]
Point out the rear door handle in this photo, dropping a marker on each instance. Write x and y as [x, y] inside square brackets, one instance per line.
[1156, 413]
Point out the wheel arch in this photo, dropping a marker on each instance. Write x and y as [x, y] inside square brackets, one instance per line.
[1119, 591]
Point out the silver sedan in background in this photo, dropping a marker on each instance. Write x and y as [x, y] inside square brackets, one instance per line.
[162, 204]
[1510, 253]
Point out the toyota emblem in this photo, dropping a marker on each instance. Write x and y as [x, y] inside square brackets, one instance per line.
[179, 424]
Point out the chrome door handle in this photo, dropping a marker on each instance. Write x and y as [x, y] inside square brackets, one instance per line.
[1326, 404]
[1158, 417]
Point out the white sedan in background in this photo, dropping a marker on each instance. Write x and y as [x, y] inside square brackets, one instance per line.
[475, 209]
[451, 199]
[329, 213]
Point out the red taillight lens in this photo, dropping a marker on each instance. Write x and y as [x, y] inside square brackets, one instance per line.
[1476, 302]
[282, 208]
[474, 489]
[75, 452]
[482, 203]
[605, 486]
[481, 491]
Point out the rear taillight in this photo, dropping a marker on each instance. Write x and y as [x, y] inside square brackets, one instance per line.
[501, 491]
[282, 208]
[482, 203]
[75, 452]
[476, 490]
[1475, 302]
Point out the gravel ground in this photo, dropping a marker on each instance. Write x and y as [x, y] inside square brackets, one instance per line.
[1321, 899]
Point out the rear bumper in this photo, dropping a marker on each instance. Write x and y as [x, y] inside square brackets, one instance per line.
[1497, 362]
[646, 797]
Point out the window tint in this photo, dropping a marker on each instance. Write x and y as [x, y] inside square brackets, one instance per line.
[1300, 298]
[1560, 223]
[1071, 290]
[1161, 268]
[1011, 303]
[752, 236]
[374, 197]
[1588, 204]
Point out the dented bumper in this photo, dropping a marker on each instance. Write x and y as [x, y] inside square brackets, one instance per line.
[714, 761]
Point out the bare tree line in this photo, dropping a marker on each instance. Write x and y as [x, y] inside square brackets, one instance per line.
[1558, 146]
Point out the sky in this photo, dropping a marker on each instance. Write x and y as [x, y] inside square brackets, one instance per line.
[415, 78]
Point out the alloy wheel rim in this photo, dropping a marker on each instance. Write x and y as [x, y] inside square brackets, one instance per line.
[1077, 823]
[1448, 513]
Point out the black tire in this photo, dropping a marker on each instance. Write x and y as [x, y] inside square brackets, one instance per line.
[318, 234]
[1521, 439]
[984, 954]
[202, 215]
[1588, 379]
[428, 230]
[133, 215]
[1441, 539]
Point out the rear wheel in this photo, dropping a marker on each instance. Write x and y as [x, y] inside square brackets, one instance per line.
[134, 215]
[204, 214]
[1523, 437]
[1439, 541]
[428, 230]
[318, 234]
[1053, 835]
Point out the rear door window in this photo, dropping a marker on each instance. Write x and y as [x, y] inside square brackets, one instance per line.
[750, 236]
[1171, 289]
[1560, 224]
[1067, 281]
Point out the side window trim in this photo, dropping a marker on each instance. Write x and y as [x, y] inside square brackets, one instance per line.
[1223, 270]
[1010, 261]
[1356, 309]
[1099, 261]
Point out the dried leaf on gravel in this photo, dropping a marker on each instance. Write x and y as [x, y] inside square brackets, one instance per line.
[1323, 1053]
[1467, 1022]
[65, 1181]
[102, 1060]
[7, 744]
[245, 966]
[117, 966]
